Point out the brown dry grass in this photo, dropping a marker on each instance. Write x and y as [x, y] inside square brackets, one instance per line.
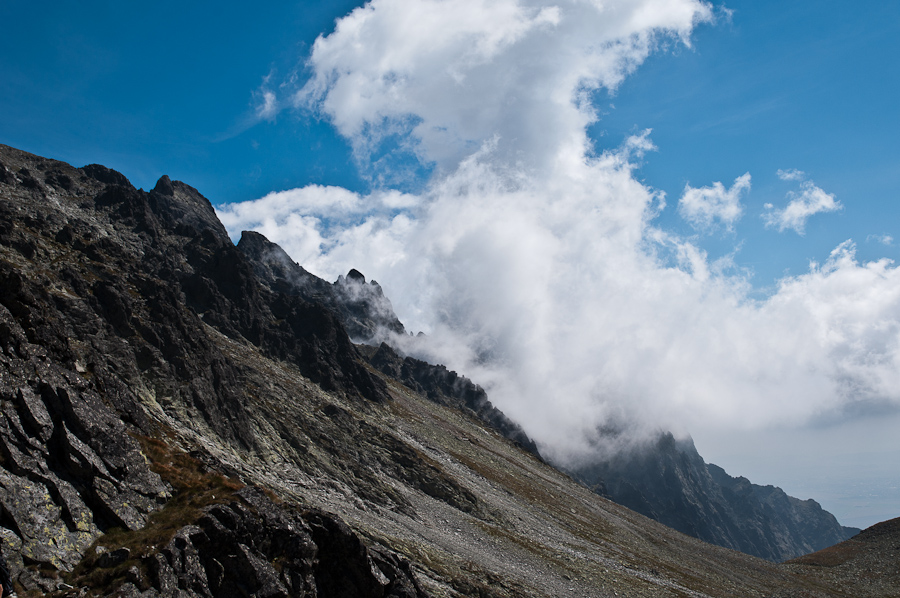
[829, 557]
[194, 487]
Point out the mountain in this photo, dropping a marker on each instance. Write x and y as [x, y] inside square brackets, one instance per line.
[361, 307]
[666, 479]
[174, 423]
[865, 565]
[368, 315]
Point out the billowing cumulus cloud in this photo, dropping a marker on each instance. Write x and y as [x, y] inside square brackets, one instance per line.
[705, 207]
[446, 77]
[534, 262]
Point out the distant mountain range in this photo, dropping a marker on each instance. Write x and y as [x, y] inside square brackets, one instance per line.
[186, 417]
[667, 480]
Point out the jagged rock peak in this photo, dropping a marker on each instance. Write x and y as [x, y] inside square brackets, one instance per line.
[187, 207]
[262, 251]
[106, 175]
[356, 276]
[164, 186]
[666, 479]
[276, 268]
[252, 240]
[366, 310]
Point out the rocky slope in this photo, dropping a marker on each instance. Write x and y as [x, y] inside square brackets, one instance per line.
[173, 424]
[367, 315]
[668, 480]
[866, 565]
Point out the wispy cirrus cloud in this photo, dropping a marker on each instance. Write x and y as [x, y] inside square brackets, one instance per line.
[884, 239]
[791, 174]
[706, 207]
[267, 107]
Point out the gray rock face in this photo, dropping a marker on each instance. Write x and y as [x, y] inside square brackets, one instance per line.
[107, 296]
[362, 307]
[70, 469]
[449, 388]
[668, 481]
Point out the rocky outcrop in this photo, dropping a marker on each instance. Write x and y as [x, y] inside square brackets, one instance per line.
[362, 307]
[668, 480]
[255, 547]
[70, 470]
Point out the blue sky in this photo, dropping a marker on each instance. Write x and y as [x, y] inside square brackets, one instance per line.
[753, 354]
[170, 89]
[810, 86]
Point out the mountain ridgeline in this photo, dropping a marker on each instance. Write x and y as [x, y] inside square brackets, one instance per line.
[667, 480]
[368, 316]
[186, 417]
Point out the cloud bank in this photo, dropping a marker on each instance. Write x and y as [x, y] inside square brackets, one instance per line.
[533, 260]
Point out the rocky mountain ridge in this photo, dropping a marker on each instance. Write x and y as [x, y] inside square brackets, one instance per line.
[172, 425]
[667, 480]
[362, 308]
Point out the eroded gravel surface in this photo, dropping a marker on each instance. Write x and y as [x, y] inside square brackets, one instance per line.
[530, 531]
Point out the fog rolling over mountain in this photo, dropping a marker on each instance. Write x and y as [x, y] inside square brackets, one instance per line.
[177, 424]
[664, 479]
[534, 248]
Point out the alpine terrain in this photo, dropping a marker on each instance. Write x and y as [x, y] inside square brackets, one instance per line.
[183, 416]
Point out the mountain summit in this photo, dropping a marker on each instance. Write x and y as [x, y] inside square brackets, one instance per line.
[179, 419]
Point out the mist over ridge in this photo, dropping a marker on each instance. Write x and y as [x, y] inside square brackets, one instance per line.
[532, 257]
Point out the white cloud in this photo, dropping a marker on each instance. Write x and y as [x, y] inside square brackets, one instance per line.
[450, 76]
[884, 239]
[316, 220]
[537, 270]
[791, 174]
[556, 282]
[810, 201]
[704, 206]
[268, 106]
